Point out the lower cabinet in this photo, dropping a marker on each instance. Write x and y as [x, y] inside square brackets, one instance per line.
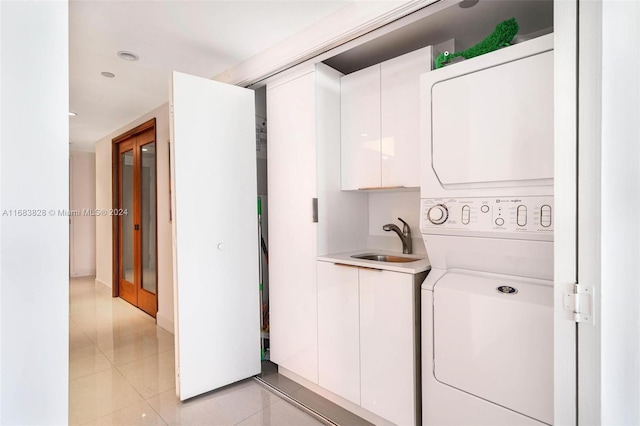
[338, 330]
[388, 363]
[367, 338]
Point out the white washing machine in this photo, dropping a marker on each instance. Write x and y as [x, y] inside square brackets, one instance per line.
[487, 223]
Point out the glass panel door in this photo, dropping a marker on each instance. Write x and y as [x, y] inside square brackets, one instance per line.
[127, 240]
[127, 224]
[148, 216]
[136, 238]
[146, 219]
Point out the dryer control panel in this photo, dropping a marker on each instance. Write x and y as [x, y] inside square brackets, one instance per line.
[499, 217]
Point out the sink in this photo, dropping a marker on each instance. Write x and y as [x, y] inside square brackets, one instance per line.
[385, 258]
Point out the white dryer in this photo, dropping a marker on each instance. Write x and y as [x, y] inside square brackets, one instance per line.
[487, 223]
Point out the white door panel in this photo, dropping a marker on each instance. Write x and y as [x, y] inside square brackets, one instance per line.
[387, 352]
[400, 117]
[215, 234]
[360, 129]
[293, 239]
[338, 330]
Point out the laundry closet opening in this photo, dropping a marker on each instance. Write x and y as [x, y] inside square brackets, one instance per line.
[306, 171]
[263, 217]
[227, 197]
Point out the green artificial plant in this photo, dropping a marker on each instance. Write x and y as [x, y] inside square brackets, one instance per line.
[500, 37]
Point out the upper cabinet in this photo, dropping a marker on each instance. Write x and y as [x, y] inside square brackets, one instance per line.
[400, 117]
[360, 129]
[380, 123]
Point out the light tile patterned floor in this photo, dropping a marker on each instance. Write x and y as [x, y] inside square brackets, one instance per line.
[121, 372]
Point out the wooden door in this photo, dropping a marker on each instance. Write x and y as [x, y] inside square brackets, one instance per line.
[134, 212]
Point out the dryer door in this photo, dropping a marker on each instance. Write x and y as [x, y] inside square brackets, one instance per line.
[493, 338]
[494, 127]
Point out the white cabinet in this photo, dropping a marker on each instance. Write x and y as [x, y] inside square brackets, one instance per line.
[292, 232]
[368, 338]
[380, 126]
[360, 128]
[304, 131]
[400, 117]
[338, 330]
[388, 365]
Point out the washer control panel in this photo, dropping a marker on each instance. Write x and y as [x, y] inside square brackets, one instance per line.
[501, 215]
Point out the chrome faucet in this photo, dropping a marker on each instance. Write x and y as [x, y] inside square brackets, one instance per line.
[405, 235]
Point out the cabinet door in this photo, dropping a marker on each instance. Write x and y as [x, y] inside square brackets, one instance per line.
[400, 112]
[360, 129]
[338, 330]
[292, 233]
[387, 353]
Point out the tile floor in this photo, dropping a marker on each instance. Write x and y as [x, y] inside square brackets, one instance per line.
[311, 400]
[121, 372]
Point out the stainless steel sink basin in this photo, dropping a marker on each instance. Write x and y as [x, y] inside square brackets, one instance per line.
[384, 258]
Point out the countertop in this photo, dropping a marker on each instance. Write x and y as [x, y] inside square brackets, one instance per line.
[420, 265]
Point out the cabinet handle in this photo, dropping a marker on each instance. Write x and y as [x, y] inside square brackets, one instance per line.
[314, 204]
[377, 188]
[357, 267]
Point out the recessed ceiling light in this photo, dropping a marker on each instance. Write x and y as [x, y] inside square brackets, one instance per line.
[72, 114]
[128, 56]
[465, 4]
[108, 74]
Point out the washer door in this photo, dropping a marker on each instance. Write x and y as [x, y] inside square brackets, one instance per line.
[493, 338]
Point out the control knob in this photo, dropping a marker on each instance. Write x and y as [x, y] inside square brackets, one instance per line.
[438, 214]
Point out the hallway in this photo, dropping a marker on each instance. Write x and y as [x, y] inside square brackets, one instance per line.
[121, 372]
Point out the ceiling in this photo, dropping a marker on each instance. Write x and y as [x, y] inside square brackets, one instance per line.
[205, 38]
[202, 38]
[467, 26]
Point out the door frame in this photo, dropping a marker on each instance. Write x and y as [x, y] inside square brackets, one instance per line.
[115, 198]
[566, 201]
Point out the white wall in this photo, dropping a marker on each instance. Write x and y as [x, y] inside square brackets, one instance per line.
[34, 251]
[82, 197]
[620, 239]
[104, 249]
[387, 207]
[103, 201]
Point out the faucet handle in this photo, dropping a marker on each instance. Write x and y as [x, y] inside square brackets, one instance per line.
[406, 227]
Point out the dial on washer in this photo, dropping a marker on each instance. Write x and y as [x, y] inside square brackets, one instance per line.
[438, 214]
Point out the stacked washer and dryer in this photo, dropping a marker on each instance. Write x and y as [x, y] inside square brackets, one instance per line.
[487, 223]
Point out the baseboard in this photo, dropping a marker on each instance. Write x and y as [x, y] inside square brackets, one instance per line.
[346, 404]
[164, 323]
[102, 286]
[83, 273]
